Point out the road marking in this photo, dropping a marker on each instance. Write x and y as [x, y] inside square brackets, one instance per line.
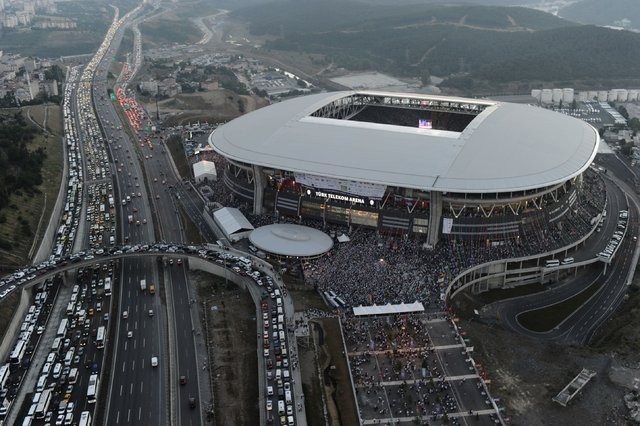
[128, 415]
[141, 383]
[133, 365]
[131, 389]
[118, 417]
[121, 390]
[125, 345]
[123, 365]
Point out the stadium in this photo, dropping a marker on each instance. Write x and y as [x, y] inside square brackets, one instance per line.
[421, 166]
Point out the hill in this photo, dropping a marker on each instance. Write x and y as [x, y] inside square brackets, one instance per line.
[620, 13]
[475, 47]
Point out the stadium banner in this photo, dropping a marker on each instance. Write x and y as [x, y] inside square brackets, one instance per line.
[363, 189]
[447, 224]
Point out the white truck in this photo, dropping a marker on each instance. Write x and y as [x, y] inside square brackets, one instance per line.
[143, 285]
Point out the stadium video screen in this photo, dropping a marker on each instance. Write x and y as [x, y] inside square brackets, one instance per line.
[423, 123]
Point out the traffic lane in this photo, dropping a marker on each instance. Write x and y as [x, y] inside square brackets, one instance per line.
[187, 363]
[136, 382]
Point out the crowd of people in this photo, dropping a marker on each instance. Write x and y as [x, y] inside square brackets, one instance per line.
[396, 371]
[377, 268]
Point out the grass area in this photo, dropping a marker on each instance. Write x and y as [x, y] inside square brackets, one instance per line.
[24, 208]
[191, 232]
[8, 308]
[507, 293]
[545, 319]
[176, 149]
[306, 298]
[342, 392]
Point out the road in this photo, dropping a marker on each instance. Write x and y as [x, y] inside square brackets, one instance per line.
[612, 280]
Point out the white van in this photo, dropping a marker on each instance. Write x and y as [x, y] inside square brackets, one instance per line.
[286, 375]
[279, 301]
[69, 357]
[287, 396]
[281, 335]
[57, 370]
[281, 407]
[73, 376]
[278, 374]
[552, 263]
[42, 382]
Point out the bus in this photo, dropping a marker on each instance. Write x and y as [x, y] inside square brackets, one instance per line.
[107, 286]
[62, 328]
[100, 337]
[92, 389]
[18, 352]
[4, 376]
[43, 404]
[85, 419]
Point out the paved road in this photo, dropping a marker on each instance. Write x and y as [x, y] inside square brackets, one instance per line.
[580, 326]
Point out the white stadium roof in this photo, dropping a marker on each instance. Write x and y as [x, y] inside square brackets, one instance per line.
[507, 147]
[287, 239]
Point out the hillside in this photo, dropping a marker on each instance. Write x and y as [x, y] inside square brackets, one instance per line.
[620, 13]
[474, 47]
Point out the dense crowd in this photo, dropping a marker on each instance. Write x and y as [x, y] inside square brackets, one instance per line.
[381, 269]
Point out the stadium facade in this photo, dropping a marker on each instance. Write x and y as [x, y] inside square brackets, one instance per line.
[423, 166]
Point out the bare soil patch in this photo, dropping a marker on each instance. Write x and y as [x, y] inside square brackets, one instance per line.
[213, 106]
[527, 373]
[229, 320]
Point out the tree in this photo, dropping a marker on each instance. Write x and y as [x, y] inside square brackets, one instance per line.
[627, 148]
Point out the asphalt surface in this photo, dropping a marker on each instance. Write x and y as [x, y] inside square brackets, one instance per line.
[611, 279]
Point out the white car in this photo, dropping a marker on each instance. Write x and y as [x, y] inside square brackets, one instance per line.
[154, 361]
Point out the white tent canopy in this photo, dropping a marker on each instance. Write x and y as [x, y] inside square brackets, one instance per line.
[344, 238]
[232, 222]
[388, 309]
[204, 170]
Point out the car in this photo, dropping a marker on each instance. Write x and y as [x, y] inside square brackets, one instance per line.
[60, 420]
[154, 361]
[269, 405]
[129, 334]
[150, 312]
[289, 410]
[183, 380]
[125, 314]
[192, 402]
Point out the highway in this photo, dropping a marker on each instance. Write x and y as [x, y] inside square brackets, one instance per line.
[144, 174]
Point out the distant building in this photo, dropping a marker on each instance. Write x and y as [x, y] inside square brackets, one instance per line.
[210, 84]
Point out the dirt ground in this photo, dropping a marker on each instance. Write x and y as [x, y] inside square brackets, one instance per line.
[213, 106]
[231, 326]
[526, 373]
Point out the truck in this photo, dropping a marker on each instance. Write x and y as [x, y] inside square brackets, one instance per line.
[143, 285]
[130, 218]
[152, 289]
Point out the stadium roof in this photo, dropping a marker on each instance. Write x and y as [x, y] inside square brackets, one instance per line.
[287, 239]
[507, 147]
